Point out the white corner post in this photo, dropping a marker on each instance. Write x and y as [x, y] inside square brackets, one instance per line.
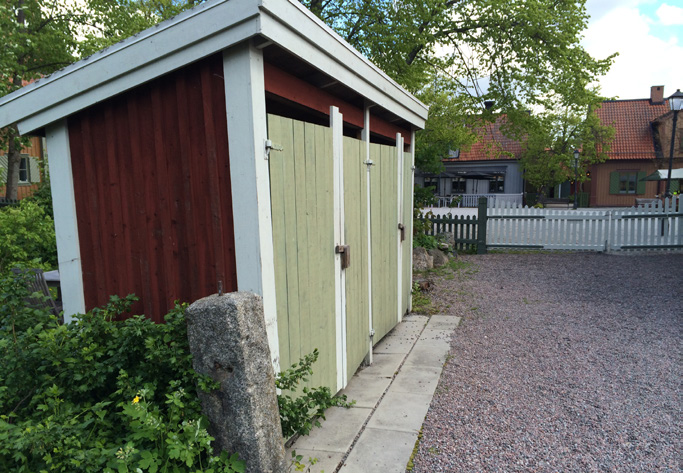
[66, 225]
[399, 243]
[365, 136]
[337, 126]
[245, 104]
[410, 228]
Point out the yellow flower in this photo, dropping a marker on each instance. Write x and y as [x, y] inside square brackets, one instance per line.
[136, 399]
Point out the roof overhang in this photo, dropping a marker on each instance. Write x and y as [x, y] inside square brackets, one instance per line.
[192, 35]
[663, 175]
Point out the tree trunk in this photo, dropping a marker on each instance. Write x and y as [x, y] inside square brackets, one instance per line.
[13, 146]
[13, 164]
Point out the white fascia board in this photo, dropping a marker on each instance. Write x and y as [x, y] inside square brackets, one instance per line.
[186, 38]
[320, 46]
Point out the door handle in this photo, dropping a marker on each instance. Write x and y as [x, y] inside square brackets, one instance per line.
[402, 229]
[345, 252]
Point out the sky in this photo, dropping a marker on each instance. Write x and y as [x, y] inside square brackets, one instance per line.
[647, 34]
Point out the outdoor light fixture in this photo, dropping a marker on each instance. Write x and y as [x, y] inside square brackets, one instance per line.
[675, 104]
[576, 179]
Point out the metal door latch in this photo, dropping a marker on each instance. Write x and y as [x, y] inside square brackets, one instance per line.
[345, 252]
[402, 229]
[272, 146]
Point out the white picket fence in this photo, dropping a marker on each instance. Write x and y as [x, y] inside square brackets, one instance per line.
[472, 200]
[655, 226]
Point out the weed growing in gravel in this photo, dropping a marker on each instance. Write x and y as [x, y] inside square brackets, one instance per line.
[422, 304]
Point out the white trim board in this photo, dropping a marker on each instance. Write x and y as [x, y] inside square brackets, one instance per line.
[192, 35]
[66, 226]
[246, 116]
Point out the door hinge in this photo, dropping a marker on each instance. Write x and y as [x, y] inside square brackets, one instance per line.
[272, 146]
[372, 333]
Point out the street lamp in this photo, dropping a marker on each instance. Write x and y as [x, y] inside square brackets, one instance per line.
[576, 179]
[675, 104]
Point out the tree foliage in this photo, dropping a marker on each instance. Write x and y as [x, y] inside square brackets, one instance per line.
[550, 137]
[40, 37]
[521, 54]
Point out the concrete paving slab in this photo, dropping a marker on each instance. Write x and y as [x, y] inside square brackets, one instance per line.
[401, 338]
[400, 411]
[383, 364]
[366, 389]
[380, 451]
[337, 432]
[417, 379]
[326, 462]
[446, 322]
[429, 352]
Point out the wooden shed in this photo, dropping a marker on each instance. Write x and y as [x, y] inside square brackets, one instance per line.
[243, 144]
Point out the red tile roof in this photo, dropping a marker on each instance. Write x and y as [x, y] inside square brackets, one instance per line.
[493, 145]
[632, 120]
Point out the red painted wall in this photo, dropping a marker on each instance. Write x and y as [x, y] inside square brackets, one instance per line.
[285, 85]
[153, 196]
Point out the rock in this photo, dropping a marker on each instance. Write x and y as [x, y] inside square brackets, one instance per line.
[422, 260]
[228, 341]
[438, 257]
[448, 238]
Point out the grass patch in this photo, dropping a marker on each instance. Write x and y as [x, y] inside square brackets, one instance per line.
[422, 304]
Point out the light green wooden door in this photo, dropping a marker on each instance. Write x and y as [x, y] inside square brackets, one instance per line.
[303, 213]
[356, 236]
[384, 216]
[407, 213]
[301, 182]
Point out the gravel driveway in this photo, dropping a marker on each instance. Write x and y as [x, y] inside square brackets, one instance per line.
[562, 363]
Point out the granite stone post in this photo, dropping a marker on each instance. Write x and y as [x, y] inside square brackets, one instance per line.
[228, 341]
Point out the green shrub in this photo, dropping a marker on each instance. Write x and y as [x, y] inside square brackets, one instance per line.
[27, 237]
[299, 411]
[99, 394]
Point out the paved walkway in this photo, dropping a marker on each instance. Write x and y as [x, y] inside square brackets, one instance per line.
[392, 398]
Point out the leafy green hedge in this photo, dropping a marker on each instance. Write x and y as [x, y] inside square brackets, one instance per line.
[27, 236]
[99, 394]
[116, 396]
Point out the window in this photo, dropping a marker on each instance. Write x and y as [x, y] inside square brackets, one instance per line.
[497, 185]
[432, 182]
[458, 185]
[627, 182]
[24, 170]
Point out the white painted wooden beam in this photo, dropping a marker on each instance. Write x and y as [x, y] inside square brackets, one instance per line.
[66, 225]
[412, 196]
[337, 125]
[365, 136]
[250, 181]
[399, 243]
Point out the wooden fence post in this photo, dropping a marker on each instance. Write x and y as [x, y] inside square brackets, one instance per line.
[481, 226]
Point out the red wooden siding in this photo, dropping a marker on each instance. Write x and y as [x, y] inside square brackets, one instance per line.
[285, 85]
[153, 194]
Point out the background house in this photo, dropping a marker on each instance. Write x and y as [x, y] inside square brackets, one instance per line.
[490, 167]
[641, 145]
[29, 171]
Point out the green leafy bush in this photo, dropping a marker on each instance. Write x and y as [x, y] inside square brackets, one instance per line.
[27, 237]
[99, 394]
[299, 412]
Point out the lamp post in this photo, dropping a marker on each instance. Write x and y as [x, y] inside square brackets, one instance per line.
[675, 104]
[576, 179]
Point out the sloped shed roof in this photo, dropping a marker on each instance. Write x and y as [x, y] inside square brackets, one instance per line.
[274, 25]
